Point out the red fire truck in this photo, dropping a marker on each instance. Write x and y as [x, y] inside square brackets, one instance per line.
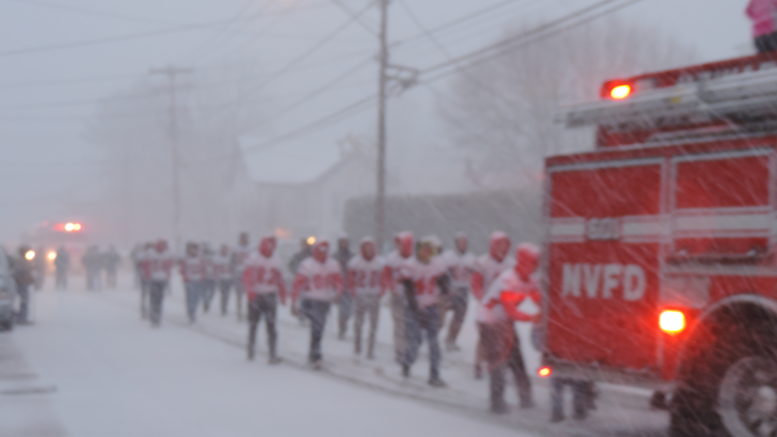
[661, 267]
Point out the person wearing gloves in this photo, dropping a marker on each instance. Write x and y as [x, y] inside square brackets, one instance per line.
[487, 268]
[423, 281]
[264, 286]
[318, 284]
[394, 261]
[193, 271]
[501, 308]
[460, 264]
[158, 266]
[222, 272]
[366, 284]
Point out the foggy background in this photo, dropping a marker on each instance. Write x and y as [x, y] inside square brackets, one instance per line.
[264, 143]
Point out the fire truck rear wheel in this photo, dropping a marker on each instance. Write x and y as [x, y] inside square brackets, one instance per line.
[730, 389]
[747, 400]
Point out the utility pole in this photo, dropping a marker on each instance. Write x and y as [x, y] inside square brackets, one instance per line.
[172, 74]
[380, 199]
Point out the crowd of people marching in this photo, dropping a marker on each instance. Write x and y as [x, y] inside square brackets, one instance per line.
[422, 284]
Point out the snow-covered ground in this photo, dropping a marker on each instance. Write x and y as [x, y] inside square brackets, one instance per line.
[97, 369]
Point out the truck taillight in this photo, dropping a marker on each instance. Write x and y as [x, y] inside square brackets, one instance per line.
[544, 371]
[672, 321]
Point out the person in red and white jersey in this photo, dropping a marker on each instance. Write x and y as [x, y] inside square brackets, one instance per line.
[158, 267]
[460, 264]
[240, 255]
[318, 283]
[193, 271]
[222, 273]
[401, 255]
[424, 281]
[264, 286]
[141, 261]
[209, 284]
[487, 268]
[502, 305]
[366, 284]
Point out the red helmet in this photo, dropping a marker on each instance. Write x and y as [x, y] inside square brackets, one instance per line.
[267, 246]
[499, 245]
[368, 249]
[321, 250]
[527, 258]
[406, 241]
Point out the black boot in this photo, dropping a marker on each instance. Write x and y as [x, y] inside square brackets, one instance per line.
[435, 380]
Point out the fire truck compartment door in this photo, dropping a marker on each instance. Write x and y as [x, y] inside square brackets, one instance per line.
[722, 203]
[604, 241]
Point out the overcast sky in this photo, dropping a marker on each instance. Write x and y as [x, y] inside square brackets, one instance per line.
[48, 86]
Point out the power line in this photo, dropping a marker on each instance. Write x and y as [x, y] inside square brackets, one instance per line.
[348, 11]
[520, 39]
[86, 11]
[109, 39]
[244, 9]
[452, 24]
[514, 42]
[312, 50]
[331, 118]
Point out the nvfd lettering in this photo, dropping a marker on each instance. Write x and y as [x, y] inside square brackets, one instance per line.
[603, 281]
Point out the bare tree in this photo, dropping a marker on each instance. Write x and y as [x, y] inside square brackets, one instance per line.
[504, 110]
[132, 133]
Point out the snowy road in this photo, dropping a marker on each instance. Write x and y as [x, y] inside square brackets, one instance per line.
[99, 370]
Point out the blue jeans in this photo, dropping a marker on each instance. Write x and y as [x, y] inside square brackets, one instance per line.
[425, 322]
[193, 294]
[317, 311]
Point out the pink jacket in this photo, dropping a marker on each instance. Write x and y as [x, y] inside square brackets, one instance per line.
[764, 16]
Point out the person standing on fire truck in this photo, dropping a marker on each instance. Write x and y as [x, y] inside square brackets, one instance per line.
[500, 308]
[222, 271]
[487, 268]
[158, 266]
[239, 256]
[193, 270]
[366, 285]
[423, 281]
[763, 13]
[400, 256]
[318, 283]
[460, 264]
[264, 286]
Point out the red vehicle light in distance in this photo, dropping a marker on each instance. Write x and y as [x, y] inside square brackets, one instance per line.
[69, 227]
[672, 321]
[617, 90]
[544, 371]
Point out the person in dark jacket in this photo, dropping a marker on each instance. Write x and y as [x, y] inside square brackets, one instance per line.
[24, 277]
[62, 267]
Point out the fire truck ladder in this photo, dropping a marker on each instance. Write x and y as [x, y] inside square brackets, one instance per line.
[753, 93]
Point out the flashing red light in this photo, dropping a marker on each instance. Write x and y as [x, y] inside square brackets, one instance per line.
[620, 92]
[544, 371]
[672, 321]
[617, 90]
[69, 227]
